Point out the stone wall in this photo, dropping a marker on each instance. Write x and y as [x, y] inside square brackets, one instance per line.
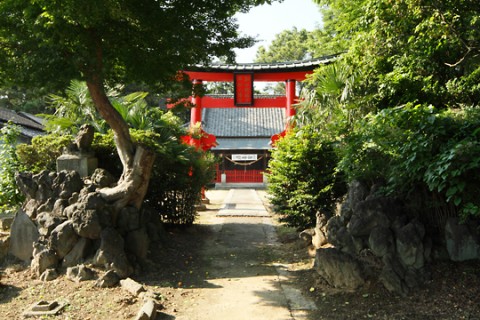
[375, 237]
[65, 222]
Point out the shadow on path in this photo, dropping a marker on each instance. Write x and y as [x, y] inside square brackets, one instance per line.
[225, 267]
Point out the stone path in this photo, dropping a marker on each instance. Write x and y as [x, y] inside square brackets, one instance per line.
[244, 280]
[243, 203]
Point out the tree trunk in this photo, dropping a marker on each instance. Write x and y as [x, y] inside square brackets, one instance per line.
[137, 161]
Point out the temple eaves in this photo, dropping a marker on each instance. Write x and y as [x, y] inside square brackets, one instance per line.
[265, 67]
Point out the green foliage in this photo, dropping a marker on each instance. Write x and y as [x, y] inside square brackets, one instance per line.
[289, 45]
[293, 45]
[103, 146]
[178, 174]
[42, 153]
[51, 42]
[408, 147]
[177, 181]
[302, 177]
[419, 146]
[19, 99]
[412, 116]
[10, 197]
[409, 51]
[77, 108]
[328, 100]
[179, 171]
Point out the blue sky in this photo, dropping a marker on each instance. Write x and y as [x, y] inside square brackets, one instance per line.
[264, 22]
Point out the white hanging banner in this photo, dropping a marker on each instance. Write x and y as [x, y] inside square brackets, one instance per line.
[244, 157]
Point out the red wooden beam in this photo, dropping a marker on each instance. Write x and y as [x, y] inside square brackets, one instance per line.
[257, 76]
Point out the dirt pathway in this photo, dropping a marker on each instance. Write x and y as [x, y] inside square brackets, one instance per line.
[243, 280]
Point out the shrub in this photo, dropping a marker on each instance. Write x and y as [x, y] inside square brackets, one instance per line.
[178, 175]
[417, 146]
[42, 153]
[10, 197]
[303, 179]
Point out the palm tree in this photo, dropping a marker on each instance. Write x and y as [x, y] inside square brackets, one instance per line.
[327, 97]
[77, 108]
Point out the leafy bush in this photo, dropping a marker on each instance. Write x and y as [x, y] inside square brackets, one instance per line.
[303, 179]
[42, 153]
[178, 175]
[419, 146]
[176, 183]
[179, 171]
[10, 197]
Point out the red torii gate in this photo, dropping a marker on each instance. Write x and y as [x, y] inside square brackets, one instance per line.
[243, 76]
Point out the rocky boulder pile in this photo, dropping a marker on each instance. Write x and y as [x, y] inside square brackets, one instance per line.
[375, 238]
[65, 223]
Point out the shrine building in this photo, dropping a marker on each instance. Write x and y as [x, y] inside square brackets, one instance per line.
[245, 123]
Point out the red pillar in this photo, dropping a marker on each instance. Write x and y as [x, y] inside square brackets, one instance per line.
[196, 112]
[291, 97]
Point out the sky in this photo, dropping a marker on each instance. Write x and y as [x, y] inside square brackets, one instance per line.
[266, 21]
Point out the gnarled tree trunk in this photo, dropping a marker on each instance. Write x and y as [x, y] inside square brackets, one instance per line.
[136, 160]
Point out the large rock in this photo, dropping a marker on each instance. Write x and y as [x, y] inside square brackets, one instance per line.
[87, 224]
[372, 213]
[46, 206]
[108, 280]
[137, 243]
[47, 222]
[111, 253]
[44, 182]
[25, 183]
[63, 239]
[381, 241]
[463, 241]
[59, 206]
[43, 258]
[30, 208]
[80, 273]
[339, 269]
[23, 235]
[400, 279]
[319, 237]
[409, 242]
[338, 235]
[357, 192]
[128, 219]
[78, 253]
[393, 282]
[66, 183]
[102, 178]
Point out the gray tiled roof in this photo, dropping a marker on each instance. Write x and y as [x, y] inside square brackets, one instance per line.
[243, 121]
[30, 133]
[279, 66]
[10, 115]
[249, 143]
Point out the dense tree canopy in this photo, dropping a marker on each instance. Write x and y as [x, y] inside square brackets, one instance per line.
[289, 45]
[53, 41]
[122, 41]
[410, 50]
[401, 106]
